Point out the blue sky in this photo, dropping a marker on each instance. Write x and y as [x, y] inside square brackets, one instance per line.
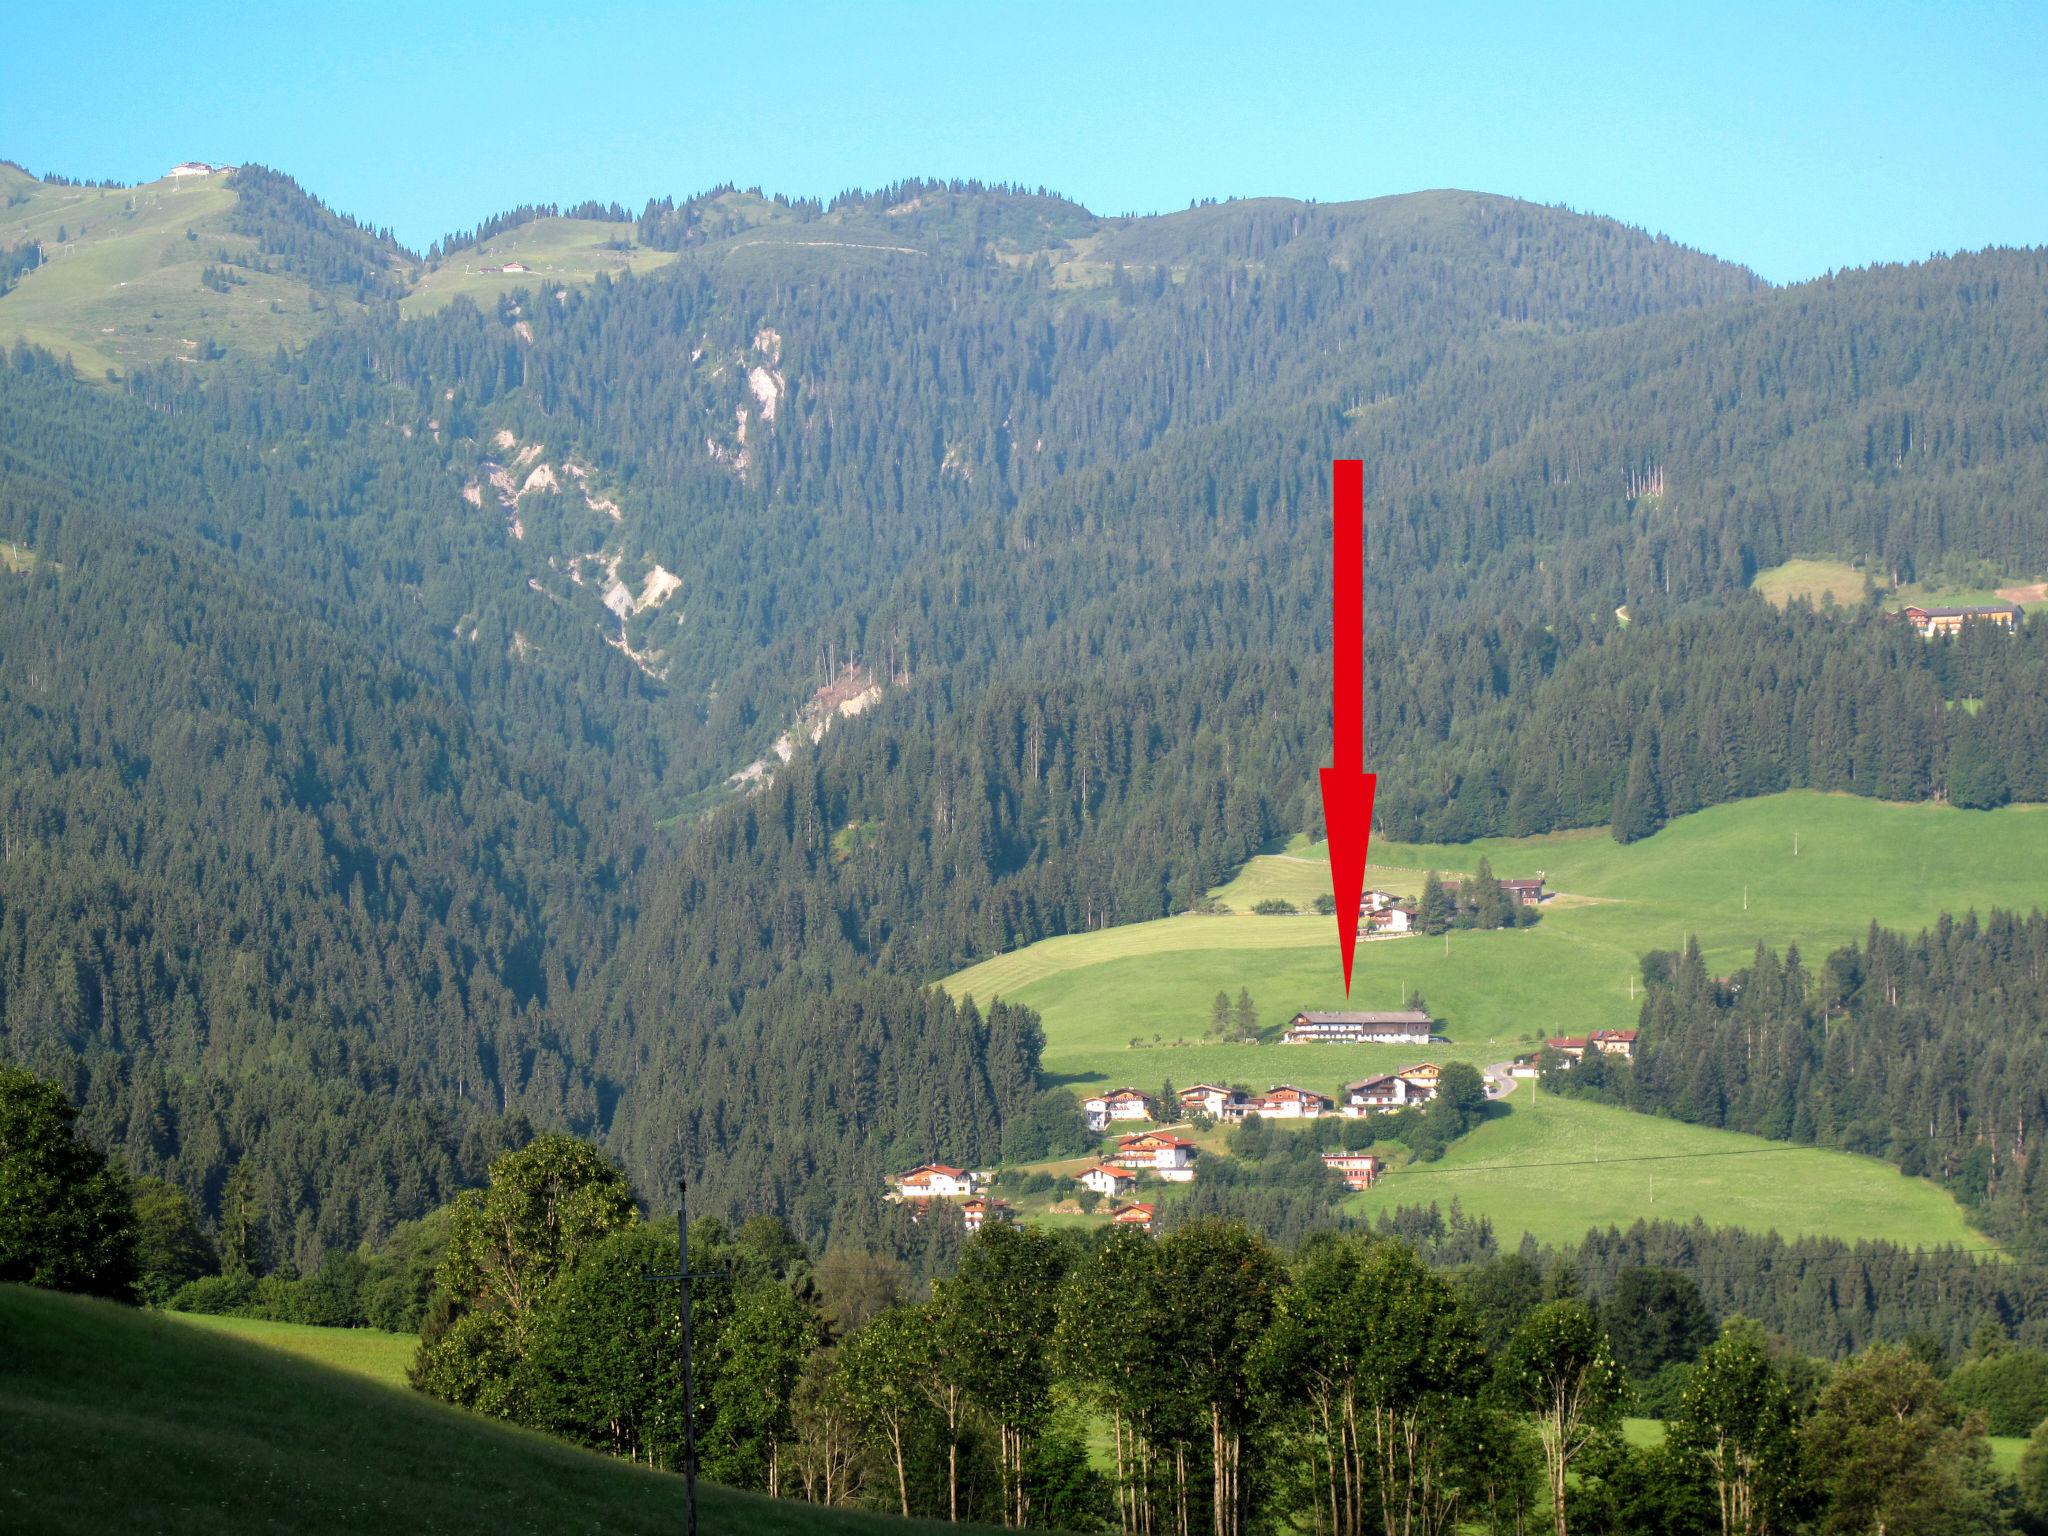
[1796, 138]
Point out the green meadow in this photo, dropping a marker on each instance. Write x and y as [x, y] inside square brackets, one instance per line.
[113, 1419]
[367, 1352]
[1131, 1005]
[560, 251]
[1556, 1167]
[1812, 580]
[121, 287]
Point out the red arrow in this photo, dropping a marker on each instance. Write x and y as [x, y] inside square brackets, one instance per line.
[1347, 787]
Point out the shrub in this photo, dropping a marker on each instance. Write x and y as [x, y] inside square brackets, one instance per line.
[1275, 906]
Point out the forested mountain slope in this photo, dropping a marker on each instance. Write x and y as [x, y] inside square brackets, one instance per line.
[350, 687]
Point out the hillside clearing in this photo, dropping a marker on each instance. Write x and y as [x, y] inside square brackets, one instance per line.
[1131, 1005]
[556, 252]
[1556, 1167]
[1813, 580]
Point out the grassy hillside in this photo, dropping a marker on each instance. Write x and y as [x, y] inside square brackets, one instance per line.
[559, 251]
[367, 1352]
[1556, 1167]
[120, 281]
[1131, 1004]
[117, 1420]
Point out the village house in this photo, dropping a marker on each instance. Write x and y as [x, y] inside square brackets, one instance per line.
[1932, 622]
[934, 1181]
[1394, 1090]
[1404, 1027]
[1284, 1101]
[1117, 1104]
[1359, 1168]
[1391, 919]
[1524, 1067]
[1614, 1042]
[979, 1211]
[1370, 902]
[1528, 892]
[1211, 1099]
[1171, 1157]
[515, 266]
[192, 168]
[1570, 1046]
[1105, 1180]
[1137, 1215]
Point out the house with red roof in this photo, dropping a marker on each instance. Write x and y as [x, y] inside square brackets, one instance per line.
[1117, 1104]
[1171, 1157]
[934, 1181]
[1104, 1179]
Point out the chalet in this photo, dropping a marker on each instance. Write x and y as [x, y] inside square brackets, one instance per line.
[1117, 1104]
[1406, 1027]
[192, 168]
[1370, 902]
[1161, 1152]
[1284, 1101]
[1211, 1099]
[515, 266]
[1359, 1168]
[1424, 1075]
[1138, 1215]
[1573, 1046]
[1932, 622]
[1391, 919]
[934, 1181]
[1379, 1095]
[1614, 1042]
[980, 1211]
[1105, 1180]
[1528, 892]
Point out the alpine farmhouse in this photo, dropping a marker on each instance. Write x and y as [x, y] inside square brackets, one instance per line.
[1404, 1027]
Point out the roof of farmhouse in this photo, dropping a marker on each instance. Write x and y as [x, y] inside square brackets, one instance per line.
[1405, 1016]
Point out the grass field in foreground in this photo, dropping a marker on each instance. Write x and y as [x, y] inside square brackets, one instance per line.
[367, 1352]
[1556, 1167]
[117, 1420]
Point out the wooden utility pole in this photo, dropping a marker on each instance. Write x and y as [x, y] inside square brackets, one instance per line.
[683, 1276]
